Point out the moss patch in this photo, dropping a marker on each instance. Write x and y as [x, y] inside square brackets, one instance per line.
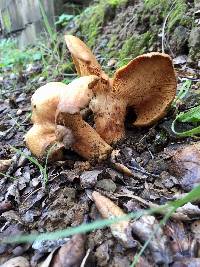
[134, 46]
[92, 19]
[176, 8]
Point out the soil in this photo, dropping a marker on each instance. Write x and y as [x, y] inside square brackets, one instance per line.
[29, 205]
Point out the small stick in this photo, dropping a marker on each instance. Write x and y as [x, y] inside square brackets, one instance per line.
[85, 258]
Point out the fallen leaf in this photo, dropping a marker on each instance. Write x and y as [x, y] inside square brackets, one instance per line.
[70, 254]
[143, 229]
[16, 262]
[187, 262]
[185, 164]
[179, 238]
[108, 209]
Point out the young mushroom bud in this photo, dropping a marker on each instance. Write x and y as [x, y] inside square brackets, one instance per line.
[57, 120]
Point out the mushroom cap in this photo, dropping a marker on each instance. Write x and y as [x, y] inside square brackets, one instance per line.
[148, 84]
[78, 94]
[45, 100]
[40, 138]
[84, 60]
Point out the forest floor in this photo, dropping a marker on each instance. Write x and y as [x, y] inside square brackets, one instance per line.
[161, 168]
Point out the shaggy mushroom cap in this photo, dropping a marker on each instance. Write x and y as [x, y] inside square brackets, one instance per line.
[56, 103]
[147, 85]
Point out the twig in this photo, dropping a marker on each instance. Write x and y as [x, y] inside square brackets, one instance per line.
[163, 29]
[176, 215]
[143, 171]
[85, 258]
[32, 193]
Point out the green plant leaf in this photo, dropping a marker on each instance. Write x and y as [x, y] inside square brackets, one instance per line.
[193, 115]
[182, 92]
[64, 19]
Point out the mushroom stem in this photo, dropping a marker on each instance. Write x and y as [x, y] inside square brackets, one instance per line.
[109, 117]
[90, 146]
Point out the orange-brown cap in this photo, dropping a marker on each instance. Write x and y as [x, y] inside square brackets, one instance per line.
[148, 83]
[84, 60]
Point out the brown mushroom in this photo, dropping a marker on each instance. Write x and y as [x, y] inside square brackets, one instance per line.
[87, 143]
[57, 103]
[147, 84]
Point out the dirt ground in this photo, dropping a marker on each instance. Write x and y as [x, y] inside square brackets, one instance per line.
[28, 205]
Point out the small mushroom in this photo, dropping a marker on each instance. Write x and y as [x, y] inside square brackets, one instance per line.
[87, 143]
[147, 84]
[57, 120]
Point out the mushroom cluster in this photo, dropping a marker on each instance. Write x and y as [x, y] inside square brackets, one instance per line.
[146, 85]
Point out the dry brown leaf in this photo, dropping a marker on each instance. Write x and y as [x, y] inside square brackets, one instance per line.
[70, 254]
[143, 229]
[119, 166]
[108, 210]
[179, 239]
[187, 262]
[185, 164]
[5, 164]
[16, 262]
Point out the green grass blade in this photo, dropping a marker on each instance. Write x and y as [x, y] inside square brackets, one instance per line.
[52, 34]
[83, 228]
[33, 160]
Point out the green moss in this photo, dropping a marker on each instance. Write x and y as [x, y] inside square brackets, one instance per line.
[176, 8]
[134, 46]
[115, 3]
[90, 22]
[112, 41]
[92, 19]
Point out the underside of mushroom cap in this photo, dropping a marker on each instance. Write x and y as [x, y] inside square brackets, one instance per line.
[148, 83]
